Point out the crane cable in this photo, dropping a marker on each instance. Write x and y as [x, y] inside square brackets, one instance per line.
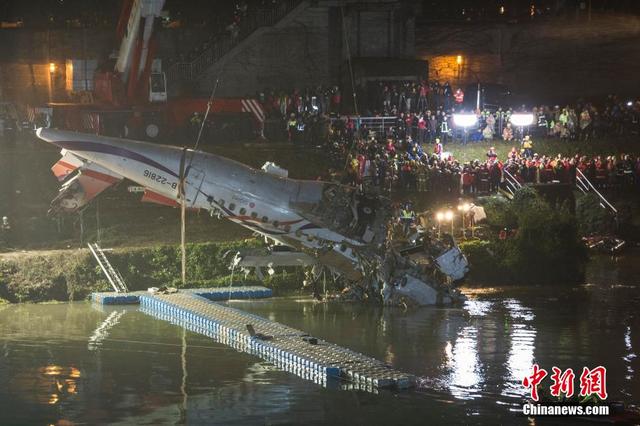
[353, 84]
[184, 171]
[183, 217]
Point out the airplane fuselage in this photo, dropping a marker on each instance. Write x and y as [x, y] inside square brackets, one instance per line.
[260, 201]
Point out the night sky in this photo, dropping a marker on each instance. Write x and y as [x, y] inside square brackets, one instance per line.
[61, 13]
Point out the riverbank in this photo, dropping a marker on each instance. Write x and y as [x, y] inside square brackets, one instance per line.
[68, 275]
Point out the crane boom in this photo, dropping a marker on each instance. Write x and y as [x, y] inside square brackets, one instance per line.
[134, 47]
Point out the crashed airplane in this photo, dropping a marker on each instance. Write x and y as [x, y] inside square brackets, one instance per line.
[346, 230]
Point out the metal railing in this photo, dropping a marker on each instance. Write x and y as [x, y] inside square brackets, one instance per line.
[585, 186]
[217, 48]
[379, 125]
[511, 183]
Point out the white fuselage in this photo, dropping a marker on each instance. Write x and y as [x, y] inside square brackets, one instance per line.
[252, 198]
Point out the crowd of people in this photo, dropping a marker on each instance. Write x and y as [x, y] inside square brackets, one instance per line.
[404, 164]
[426, 112]
[408, 153]
[429, 110]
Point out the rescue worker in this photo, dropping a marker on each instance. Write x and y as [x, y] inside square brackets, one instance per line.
[5, 231]
[459, 96]
[507, 133]
[437, 148]
[491, 154]
[407, 216]
[291, 126]
[527, 145]
[196, 123]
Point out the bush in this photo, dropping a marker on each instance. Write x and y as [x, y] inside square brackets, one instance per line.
[74, 275]
[543, 248]
[591, 217]
[482, 260]
[499, 213]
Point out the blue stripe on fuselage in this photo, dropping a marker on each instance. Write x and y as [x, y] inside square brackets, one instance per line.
[113, 150]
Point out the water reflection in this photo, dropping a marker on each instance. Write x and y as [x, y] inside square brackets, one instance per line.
[47, 385]
[522, 335]
[102, 332]
[465, 377]
[630, 355]
[478, 308]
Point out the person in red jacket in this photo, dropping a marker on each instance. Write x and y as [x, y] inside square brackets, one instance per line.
[458, 96]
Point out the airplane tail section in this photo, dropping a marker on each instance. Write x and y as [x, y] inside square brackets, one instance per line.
[78, 191]
[66, 165]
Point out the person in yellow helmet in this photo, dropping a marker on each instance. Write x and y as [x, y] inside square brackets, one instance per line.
[527, 145]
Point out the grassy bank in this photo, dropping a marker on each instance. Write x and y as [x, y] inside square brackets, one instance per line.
[73, 274]
[546, 146]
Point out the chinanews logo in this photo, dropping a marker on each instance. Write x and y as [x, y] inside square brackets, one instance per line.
[563, 399]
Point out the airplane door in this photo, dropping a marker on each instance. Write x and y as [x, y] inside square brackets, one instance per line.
[194, 181]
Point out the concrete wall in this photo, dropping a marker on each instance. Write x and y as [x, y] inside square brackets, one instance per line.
[307, 48]
[550, 61]
[295, 53]
[25, 56]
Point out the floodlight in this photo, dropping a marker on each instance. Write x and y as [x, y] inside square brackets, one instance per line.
[448, 215]
[464, 120]
[439, 216]
[523, 119]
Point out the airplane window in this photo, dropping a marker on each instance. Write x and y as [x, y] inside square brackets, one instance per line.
[287, 228]
[232, 206]
[254, 215]
[276, 223]
[343, 247]
[243, 211]
[265, 219]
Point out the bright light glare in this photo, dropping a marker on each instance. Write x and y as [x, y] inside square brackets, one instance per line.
[522, 119]
[629, 103]
[439, 216]
[459, 59]
[465, 120]
[52, 67]
[448, 215]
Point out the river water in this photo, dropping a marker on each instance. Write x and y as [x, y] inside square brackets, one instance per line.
[77, 364]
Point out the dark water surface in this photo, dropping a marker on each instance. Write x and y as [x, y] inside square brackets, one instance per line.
[75, 364]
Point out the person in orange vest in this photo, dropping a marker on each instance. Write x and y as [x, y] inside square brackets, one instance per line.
[459, 96]
[437, 148]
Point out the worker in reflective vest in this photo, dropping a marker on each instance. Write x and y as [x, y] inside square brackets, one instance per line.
[406, 218]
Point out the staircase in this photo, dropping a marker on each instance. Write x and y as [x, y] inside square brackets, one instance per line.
[585, 186]
[221, 46]
[114, 277]
[511, 184]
